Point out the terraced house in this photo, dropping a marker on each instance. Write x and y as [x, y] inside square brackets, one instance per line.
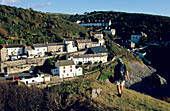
[65, 69]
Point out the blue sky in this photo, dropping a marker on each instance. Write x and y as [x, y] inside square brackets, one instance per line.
[156, 7]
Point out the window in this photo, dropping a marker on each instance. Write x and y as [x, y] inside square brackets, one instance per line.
[26, 82]
[67, 74]
[33, 80]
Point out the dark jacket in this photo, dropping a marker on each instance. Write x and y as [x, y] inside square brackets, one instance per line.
[120, 71]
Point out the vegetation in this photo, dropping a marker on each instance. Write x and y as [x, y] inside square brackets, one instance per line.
[34, 27]
[76, 95]
[127, 23]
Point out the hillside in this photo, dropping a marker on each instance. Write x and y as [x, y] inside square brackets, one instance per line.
[34, 27]
[127, 23]
[76, 95]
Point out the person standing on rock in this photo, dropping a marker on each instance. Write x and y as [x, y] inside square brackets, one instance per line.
[120, 73]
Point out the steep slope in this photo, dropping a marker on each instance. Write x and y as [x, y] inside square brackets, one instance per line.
[77, 95]
[32, 26]
[127, 23]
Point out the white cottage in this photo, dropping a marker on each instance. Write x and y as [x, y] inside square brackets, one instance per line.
[37, 50]
[66, 68]
[88, 58]
[10, 51]
[70, 45]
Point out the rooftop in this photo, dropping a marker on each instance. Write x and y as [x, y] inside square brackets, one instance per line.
[65, 62]
[98, 49]
[87, 56]
[83, 41]
[55, 44]
[12, 45]
[39, 45]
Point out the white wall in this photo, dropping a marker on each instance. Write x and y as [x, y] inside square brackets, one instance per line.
[79, 71]
[66, 72]
[15, 51]
[87, 59]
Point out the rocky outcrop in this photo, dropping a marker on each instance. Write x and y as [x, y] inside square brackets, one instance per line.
[96, 92]
[137, 72]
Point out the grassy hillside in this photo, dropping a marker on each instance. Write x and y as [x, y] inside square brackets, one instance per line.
[76, 95]
[34, 27]
[127, 23]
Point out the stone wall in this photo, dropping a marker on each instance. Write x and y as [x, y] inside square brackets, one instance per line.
[22, 65]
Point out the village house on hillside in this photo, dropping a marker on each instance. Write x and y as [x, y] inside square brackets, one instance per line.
[99, 23]
[11, 51]
[65, 69]
[136, 36]
[71, 46]
[110, 31]
[98, 37]
[88, 58]
[36, 50]
[83, 44]
[56, 47]
[97, 50]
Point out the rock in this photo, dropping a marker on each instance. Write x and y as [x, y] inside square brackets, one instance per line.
[94, 94]
[99, 90]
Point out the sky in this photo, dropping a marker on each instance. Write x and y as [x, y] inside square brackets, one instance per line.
[156, 7]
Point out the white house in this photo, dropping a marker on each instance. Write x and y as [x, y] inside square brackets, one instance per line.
[39, 79]
[79, 71]
[110, 31]
[83, 44]
[136, 36]
[11, 50]
[94, 24]
[55, 47]
[66, 68]
[37, 50]
[71, 46]
[98, 35]
[88, 58]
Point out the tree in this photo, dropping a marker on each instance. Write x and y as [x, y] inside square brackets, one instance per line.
[3, 32]
[143, 40]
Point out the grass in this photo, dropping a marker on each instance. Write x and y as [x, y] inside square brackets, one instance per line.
[131, 100]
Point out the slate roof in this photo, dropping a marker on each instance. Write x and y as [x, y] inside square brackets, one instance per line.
[98, 49]
[29, 48]
[87, 56]
[39, 45]
[13, 45]
[65, 62]
[83, 41]
[55, 44]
